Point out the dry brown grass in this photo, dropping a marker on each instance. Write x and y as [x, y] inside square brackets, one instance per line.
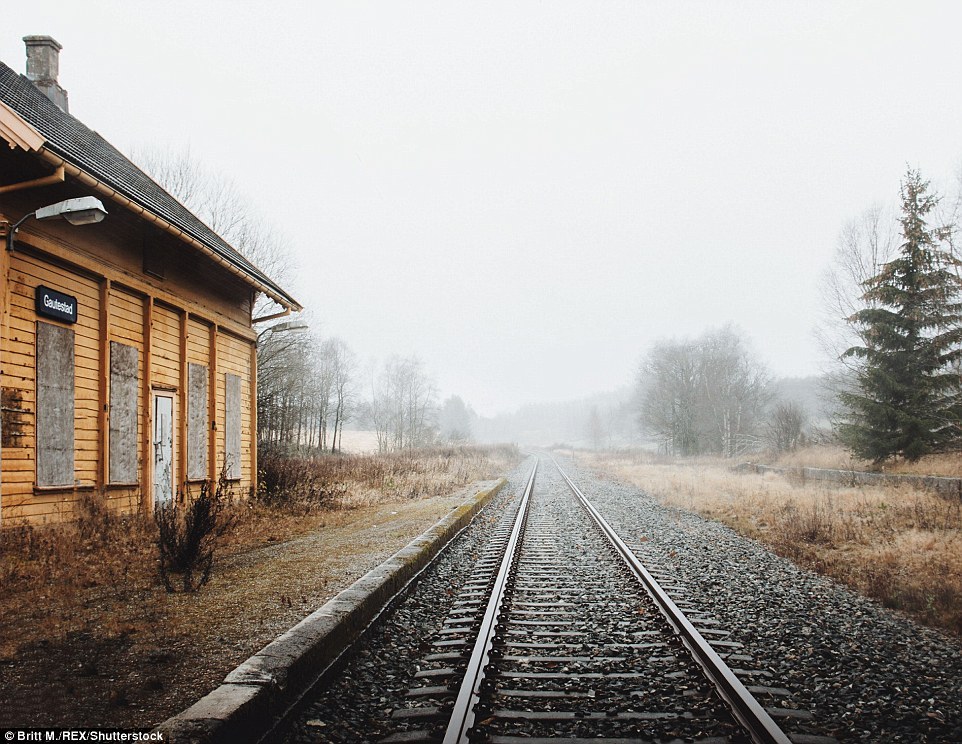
[349, 481]
[827, 456]
[899, 545]
[836, 457]
[86, 622]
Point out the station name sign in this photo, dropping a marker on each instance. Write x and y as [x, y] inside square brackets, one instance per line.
[57, 305]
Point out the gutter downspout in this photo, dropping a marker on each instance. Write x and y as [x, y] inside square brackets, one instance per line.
[56, 177]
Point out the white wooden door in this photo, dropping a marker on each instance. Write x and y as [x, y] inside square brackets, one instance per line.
[163, 442]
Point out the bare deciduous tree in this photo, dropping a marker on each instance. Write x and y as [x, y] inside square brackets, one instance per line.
[669, 377]
[215, 199]
[864, 245]
[306, 391]
[340, 364]
[282, 385]
[705, 396]
[403, 408]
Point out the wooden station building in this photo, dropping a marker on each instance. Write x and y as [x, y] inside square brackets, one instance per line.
[127, 346]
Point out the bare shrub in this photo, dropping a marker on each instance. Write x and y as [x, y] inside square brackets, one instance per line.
[26, 552]
[98, 546]
[298, 484]
[187, 536]
[811, 523]
[785, 429]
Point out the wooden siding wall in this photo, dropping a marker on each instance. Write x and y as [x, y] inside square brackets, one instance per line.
[234, 357]
[126, 315]
[167, 337]
[165, 348]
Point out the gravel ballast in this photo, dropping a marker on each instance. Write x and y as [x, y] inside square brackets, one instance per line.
[867, 673]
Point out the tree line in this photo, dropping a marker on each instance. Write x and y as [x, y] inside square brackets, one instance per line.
[892, 327]
[712, 395]
[306, 390]
[309, 389]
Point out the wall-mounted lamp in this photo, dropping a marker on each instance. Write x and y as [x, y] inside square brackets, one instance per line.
[286, 327]
[85, 210]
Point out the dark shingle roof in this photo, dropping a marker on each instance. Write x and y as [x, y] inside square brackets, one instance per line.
[77, 144]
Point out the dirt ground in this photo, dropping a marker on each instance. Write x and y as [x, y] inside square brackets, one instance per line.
[142, 655]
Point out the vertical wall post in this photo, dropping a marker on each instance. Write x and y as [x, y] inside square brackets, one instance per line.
[182, 407]
[4, 315]
[147, 461]
[253, 416]
[212, 434]
[104, 385]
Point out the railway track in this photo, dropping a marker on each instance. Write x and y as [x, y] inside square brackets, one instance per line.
[561, 634]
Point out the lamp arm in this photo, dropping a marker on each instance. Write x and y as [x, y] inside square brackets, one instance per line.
[16, 226]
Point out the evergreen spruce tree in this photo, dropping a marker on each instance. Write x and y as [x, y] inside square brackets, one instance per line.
[906, 397]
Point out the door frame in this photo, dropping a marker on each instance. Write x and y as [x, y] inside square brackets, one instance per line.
[156, 395]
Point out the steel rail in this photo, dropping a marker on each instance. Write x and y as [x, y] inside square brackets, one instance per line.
[747, 710]
[462, 715]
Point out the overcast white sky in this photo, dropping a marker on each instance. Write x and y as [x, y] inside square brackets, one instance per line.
[527, 194]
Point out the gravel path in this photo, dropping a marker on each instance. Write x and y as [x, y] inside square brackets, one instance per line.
[868, 674]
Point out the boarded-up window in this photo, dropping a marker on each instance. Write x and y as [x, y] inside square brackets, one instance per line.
[123, 413]
[55, 405]
[197, 421]
[232, 426]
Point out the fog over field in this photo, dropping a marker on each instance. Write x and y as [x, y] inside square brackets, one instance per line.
[526, 196]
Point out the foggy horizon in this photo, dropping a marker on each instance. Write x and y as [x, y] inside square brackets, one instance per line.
[527, 198]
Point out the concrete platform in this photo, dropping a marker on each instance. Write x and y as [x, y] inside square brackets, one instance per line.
[262, 689]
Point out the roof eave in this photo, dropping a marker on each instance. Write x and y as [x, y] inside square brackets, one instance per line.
[282, 299]
[18, 133]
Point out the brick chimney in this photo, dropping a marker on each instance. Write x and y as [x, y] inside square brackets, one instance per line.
[43, 65]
